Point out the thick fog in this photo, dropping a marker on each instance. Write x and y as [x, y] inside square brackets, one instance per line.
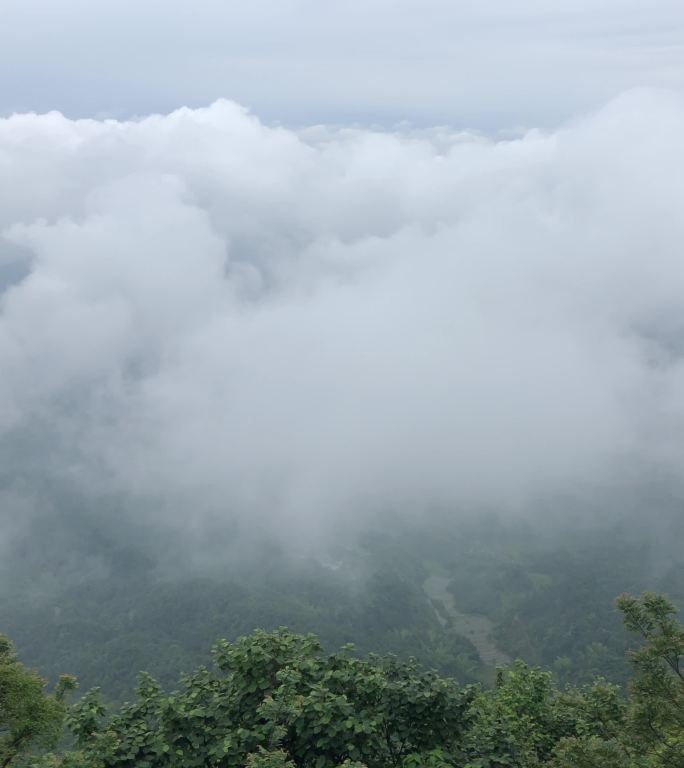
[297, 329]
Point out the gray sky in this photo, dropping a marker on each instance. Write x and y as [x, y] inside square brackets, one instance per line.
[487, 64]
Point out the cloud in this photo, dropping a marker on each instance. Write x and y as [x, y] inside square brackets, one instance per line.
[301, 328]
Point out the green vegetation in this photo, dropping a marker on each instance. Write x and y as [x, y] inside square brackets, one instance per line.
[275, 699]
[103, 597]
[29, 718]
[109, 629]
[546, 588]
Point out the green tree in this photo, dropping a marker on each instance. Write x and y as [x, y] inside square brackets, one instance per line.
[647, 731]
[276, 700]
[524, 719]
[656, 718]
[28, 716]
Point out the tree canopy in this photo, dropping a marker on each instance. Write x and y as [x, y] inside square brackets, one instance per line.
[28, 716]
[276, 700]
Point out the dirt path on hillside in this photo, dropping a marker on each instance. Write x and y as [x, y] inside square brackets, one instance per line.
[477, 628]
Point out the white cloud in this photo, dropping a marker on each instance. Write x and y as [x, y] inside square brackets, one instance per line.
[305, 326]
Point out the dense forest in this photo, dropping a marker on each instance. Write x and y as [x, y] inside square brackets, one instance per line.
[532, 663]
[102, 596]
[275, 699]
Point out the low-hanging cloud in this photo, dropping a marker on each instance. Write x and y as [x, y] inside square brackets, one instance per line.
[298, 327]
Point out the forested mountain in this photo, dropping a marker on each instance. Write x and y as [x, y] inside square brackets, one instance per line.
[91, 591]
[102, 596]
[275, 699]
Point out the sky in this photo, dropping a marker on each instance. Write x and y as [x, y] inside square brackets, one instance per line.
[300, 262]
[490, 65]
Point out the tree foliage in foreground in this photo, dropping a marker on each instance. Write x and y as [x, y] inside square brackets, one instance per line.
[28, 716]
[274, 700]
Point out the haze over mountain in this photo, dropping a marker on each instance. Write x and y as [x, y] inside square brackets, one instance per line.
[364, 318]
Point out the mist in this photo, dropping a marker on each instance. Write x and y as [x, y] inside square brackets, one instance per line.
[298, 330]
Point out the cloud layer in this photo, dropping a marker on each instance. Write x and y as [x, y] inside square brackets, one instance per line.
[303, 327]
